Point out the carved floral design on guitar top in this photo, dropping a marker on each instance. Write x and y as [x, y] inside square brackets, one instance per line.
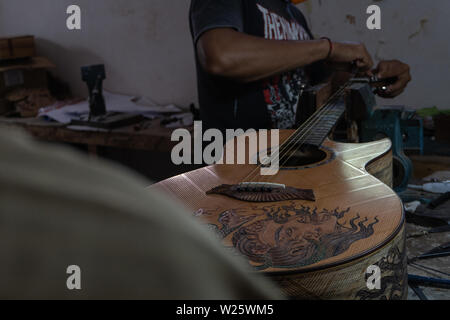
[292, 235]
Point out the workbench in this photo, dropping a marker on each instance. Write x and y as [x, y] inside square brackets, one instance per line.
[150, 135]
[147, 145]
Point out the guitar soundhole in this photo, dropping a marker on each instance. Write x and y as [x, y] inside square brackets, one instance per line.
[306, 155]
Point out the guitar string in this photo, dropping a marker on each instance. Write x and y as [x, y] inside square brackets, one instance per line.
[328, 106]
[331, 111]
[305, 129]
[300, 141]
[328, 110]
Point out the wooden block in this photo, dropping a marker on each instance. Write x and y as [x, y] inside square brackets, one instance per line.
[17, 47]
[32, 74]
[29, 64]
[23, 47]
[5, 52]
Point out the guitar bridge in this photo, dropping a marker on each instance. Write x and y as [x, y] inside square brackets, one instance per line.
[262, 192]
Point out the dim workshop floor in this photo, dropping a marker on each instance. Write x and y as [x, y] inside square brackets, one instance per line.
[417, 246]
[424, 166]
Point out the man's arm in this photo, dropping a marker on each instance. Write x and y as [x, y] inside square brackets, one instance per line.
[228, 53]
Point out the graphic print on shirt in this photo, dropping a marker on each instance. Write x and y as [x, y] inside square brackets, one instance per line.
[281, 93]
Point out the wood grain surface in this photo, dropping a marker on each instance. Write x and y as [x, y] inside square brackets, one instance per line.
[355, 215]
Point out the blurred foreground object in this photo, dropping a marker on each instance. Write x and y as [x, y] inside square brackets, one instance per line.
[61, 209]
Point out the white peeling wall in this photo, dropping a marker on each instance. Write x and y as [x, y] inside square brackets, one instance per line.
[414, 31]
[147, 48]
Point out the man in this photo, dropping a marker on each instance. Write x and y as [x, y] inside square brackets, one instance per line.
[253, 55]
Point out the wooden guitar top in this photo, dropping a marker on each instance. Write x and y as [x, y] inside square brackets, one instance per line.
[353, 215]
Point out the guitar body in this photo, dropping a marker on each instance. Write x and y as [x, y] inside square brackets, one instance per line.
[318, 249]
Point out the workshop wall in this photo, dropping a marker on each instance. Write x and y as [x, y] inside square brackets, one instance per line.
[145, 44]
[147, 49]
[414, 31]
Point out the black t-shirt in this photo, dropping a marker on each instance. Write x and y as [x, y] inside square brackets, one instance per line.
[270, 103]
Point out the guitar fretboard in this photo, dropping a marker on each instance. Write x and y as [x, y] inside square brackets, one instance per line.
[318, 127]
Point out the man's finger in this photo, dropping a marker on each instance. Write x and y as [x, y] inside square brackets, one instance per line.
[369, 73]
[381, 70]
[401, 83]
[383, 94]
[388, 69]
[364, 65]
[389, 95]
[396, 93]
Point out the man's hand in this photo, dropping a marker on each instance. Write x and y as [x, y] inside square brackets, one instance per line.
[393, 69]
[345, 52]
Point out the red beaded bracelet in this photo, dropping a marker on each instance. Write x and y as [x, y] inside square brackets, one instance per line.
[331, 47]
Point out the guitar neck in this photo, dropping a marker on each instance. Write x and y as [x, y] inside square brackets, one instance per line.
[322, 122]
[318, 126]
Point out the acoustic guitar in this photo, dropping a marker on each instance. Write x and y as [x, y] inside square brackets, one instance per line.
[320, 227]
